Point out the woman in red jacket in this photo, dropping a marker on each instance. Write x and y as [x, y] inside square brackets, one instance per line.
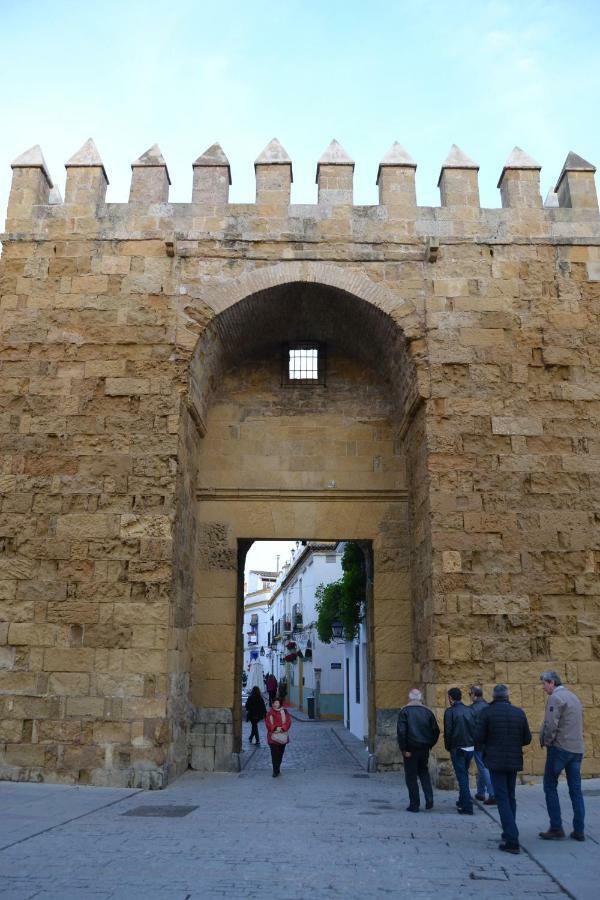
[278, 722]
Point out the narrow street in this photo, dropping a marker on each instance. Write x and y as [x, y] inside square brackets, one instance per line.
[324, 829]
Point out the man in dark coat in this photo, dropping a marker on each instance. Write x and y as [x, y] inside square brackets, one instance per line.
[418, 732]
[459, 740]
[503, 731]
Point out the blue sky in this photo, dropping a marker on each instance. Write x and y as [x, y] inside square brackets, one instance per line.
[485, 75]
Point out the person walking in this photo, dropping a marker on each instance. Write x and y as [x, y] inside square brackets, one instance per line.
[255, 712]
[562, 736]
[271, 684]
[278, 722]
[484, 782]
[418, 732]
[459, 740]
[502, 732]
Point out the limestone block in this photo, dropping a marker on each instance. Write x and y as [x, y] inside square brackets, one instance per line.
[202, 759]
[451, 561]
[69, 684]
[81, 526]
[68, 660]
[516, 425]
[7, 657]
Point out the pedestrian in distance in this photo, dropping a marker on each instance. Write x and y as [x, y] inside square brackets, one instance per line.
[484, 782]
[562, 736]
[255, 712]
[278, 722]
[459, 740]
[502, 732]
[271, 684]
[418, 732]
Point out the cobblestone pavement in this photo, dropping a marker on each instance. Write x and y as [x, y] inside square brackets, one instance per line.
[324, 829]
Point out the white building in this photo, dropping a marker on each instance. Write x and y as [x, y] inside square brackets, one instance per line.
[257, 600]
[293, 631]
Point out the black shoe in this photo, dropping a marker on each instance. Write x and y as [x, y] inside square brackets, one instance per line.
[464, 812]
[458, 804]
[553, 834]
[429, 804]
[412, 809]
[510, 848]
[491, 801]
[480, 797]
[577, 836]
[275, 774]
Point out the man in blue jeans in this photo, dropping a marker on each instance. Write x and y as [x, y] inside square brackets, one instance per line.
[484, 782]
[502, 732]
[562, 735]
[459, 740]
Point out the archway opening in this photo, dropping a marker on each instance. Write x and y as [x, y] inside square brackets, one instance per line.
[306, 639]
[324, 456]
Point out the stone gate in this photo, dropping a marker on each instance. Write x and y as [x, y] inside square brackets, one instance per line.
[149, 432]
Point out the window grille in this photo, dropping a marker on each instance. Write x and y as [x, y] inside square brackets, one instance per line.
[303, 364]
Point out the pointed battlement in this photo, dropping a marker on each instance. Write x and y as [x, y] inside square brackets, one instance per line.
[458, 183]
[274, 176]
[35, 202]
[335, 175]
[396, 181]
[31, 184]
[520, 181]
[576, 187]
[87, 181]
[149, 178]
[212, 177]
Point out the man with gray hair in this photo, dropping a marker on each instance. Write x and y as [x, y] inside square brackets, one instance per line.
[562, 735]
[503, 731]
[418, 732]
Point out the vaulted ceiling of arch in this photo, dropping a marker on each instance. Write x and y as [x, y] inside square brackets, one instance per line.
[262, 322]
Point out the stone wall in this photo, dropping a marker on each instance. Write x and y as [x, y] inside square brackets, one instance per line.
[119, 531]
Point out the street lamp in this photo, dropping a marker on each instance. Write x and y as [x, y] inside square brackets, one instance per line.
[337, 630]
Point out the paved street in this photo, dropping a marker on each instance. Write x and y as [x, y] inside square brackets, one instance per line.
[323, 830]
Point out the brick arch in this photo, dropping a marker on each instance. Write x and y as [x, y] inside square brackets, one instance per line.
[220, 295]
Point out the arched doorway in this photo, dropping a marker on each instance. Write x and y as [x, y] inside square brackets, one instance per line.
[269, 454]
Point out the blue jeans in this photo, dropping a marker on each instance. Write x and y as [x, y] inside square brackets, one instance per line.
[461, 760]
[484, 782]
[556, 761]
[504, 791]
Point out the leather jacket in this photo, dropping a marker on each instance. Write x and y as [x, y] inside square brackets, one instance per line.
[459, 726]
[417, 728]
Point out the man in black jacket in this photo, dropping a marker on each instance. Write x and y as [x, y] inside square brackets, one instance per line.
[503, 731]
[459, 740]
[418, 732]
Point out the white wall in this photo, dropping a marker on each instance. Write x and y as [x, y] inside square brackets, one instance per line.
[358, 722]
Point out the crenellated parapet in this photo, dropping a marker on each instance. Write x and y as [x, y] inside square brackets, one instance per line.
[570, 211]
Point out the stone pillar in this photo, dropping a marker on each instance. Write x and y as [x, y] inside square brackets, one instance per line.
[396, 182]
[335, 174]
[274, 176]
[85, 192]
[458, 181]
[576, 187]
[212, 177]
[520, 181]
[31, 184]
[149, 178]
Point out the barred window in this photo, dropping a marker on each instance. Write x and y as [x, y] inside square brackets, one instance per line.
[304, 364]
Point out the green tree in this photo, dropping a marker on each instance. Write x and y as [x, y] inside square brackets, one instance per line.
[343, 599]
